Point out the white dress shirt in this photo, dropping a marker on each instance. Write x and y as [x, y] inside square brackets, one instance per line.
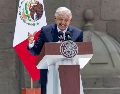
[62, 31]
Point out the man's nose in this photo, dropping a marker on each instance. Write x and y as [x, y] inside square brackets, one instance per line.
[63, 21]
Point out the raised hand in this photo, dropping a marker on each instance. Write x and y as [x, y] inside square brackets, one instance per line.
[31, 37]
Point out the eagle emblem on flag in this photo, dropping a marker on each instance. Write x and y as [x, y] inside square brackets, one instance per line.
[30, 12]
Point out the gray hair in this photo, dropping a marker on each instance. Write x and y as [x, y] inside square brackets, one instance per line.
[64, 10]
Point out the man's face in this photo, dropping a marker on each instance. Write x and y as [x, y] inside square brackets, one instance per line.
[62, 21]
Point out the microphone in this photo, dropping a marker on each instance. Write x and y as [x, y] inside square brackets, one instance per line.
[67, 35]
[60, 36]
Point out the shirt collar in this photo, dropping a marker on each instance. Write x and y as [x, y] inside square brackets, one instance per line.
[63, 30]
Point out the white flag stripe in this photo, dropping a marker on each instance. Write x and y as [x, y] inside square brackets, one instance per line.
[22, 29]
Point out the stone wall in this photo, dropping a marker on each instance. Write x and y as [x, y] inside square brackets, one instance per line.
[9, 80]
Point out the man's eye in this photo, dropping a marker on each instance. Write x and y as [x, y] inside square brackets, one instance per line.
[60, 19]
[66, 20]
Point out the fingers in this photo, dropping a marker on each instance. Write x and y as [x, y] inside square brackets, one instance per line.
[31, 37]
[34, 33]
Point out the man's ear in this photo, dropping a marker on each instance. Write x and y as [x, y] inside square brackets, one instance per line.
[54, 18]
[70, 20]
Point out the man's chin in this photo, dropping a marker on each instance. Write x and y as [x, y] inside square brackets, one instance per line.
[62, 29]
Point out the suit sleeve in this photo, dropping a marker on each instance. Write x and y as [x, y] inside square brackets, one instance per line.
[80, 38]
[36, 49]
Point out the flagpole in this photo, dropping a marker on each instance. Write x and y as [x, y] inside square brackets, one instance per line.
[31, 83]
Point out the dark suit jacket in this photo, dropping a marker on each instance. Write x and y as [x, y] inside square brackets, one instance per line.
[49, 33]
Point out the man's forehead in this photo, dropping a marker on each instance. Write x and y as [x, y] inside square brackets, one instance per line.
[63, 15]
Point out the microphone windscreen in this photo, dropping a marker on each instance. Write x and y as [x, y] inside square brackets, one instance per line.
[60, 33]
[67, 33]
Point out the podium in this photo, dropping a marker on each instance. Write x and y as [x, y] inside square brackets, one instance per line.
[31, 91]
[62, 71]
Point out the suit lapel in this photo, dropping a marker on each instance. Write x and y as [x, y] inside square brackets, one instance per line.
[55, 33]
[52, 35]
[73, 33]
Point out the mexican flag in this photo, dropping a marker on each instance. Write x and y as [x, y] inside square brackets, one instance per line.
[30, 18]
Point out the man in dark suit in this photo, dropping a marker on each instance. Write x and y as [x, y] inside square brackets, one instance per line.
[50, 33]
